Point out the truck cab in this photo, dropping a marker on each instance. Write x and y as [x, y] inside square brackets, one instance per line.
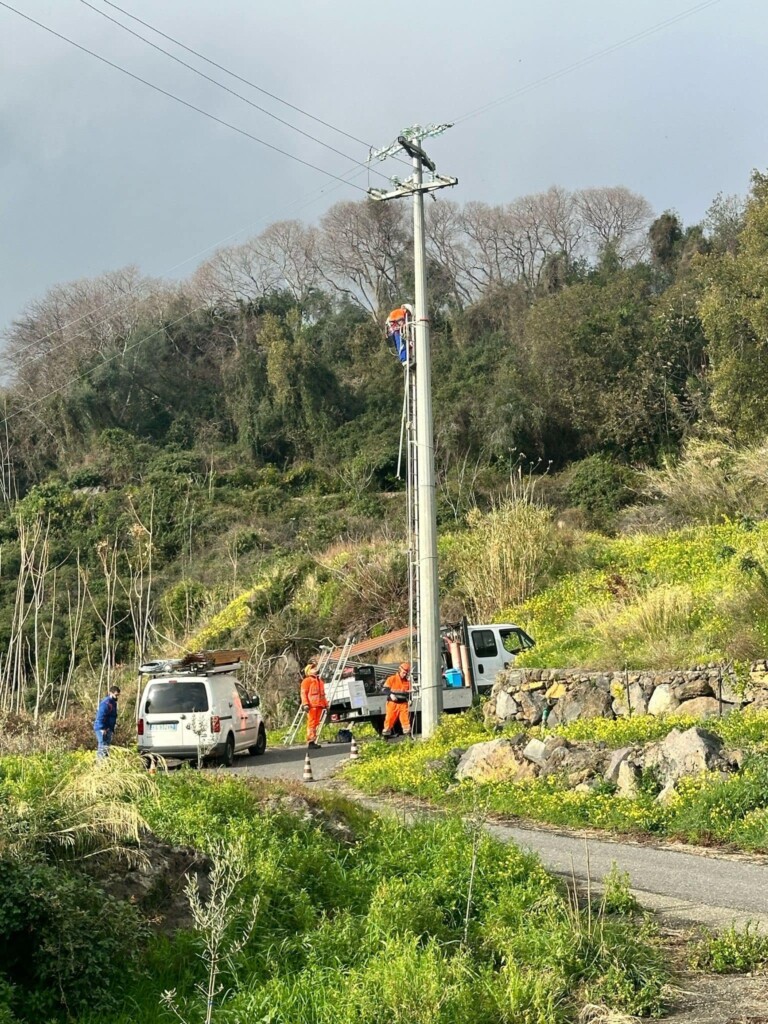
[493, 648]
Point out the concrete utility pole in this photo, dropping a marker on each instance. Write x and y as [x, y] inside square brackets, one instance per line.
[428, 625]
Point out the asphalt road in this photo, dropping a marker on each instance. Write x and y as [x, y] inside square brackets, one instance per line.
[287, 763]
[683, 885]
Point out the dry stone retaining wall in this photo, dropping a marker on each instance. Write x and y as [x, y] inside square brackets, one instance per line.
[523, 694]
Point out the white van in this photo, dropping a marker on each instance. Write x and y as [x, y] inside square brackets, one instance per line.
[206, 714]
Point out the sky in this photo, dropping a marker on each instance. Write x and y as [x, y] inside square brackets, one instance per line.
[98, 171]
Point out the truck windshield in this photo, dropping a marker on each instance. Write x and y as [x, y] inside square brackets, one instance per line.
[170, 698]
[516, 640]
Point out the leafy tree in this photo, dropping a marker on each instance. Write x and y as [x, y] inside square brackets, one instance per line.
[734, 312]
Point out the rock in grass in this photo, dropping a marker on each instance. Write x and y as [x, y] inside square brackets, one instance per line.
[494, 761]
[703, 707]
[685, 753]
[663, 701]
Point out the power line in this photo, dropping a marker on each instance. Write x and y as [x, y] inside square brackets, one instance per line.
[178, 99]
[554, 75]
[245, 81]
[220, 85]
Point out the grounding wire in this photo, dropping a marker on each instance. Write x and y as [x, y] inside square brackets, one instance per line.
[226, 88]
[584, 61]
[178, 99]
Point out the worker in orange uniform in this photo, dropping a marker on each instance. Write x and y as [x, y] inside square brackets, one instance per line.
[313, 701]
[398, 690]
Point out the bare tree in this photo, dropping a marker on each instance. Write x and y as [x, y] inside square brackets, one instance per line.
[291, 249]
[46, 345]
[361, 252]
[616, 218]
[234, 275]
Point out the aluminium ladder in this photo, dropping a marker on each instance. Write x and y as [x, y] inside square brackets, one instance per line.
[322, 670]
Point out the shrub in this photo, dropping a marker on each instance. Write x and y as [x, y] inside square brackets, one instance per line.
[600, 487]
[63, 941]
[505, 557]
[733, 951]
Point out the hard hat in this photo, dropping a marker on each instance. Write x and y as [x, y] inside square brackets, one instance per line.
[407, 306]
[404, 666]
[311, 667]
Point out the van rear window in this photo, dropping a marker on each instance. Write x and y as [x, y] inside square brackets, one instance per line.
[170, 698]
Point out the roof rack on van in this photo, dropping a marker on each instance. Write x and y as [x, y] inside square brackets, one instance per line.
[197, 662]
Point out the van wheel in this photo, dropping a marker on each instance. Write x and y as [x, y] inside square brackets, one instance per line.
[260, 745]
[228, 757]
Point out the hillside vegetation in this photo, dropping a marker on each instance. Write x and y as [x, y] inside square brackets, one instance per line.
[214, 462]
[357, 918]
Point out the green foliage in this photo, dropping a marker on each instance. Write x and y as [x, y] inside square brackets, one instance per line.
[735, 318]
[600, 487]
[733, 951]
[66, 944]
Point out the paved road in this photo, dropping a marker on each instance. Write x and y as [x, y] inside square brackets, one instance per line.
[288, 762]
[681, 885]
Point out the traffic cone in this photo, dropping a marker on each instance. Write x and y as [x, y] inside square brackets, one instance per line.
[354, 750]
[307, 777]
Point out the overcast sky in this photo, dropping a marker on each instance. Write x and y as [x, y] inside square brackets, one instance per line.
[98, 171]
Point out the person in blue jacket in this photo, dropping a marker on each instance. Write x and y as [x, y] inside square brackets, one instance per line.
[106, 721]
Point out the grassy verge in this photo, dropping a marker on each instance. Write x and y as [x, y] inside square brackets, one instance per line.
[707, 809]
[359, 919]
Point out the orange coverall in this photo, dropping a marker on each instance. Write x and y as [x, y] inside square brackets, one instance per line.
[397, 710]
[313, 696]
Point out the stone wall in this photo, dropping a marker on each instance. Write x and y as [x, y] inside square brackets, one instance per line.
[522, 694]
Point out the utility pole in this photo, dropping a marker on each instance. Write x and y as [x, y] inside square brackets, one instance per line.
[428, 624]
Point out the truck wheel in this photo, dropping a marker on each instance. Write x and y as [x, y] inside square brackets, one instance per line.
[260, 745]
[228, 757]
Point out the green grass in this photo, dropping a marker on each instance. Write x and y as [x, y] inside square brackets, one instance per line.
[733, 951]
[362, 918]
[707, 809]
[653, 601]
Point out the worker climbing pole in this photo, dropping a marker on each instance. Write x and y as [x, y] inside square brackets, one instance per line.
[419, 379]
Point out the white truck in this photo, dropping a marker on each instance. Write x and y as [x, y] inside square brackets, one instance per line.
[472, 656]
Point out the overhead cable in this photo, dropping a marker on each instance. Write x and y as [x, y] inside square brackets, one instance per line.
[245, 81]
[178, 99]
[554, 75]
[232, 92]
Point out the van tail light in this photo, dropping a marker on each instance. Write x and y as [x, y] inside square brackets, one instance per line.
[140, 727]
[215, 723]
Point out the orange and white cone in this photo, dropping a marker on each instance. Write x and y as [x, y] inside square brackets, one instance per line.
[307, 776]
[354, 750]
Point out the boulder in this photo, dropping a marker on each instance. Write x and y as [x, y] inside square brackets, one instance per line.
[638, 700]
[703, 707]
[685, 753]
[698, 686]
[627, 779]
[532, 706]
[539, 751]
[536, 751]
[506, 706]
[618, 757]
[585, 701]
[663, 701]
[578, 763]
[494, 761]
